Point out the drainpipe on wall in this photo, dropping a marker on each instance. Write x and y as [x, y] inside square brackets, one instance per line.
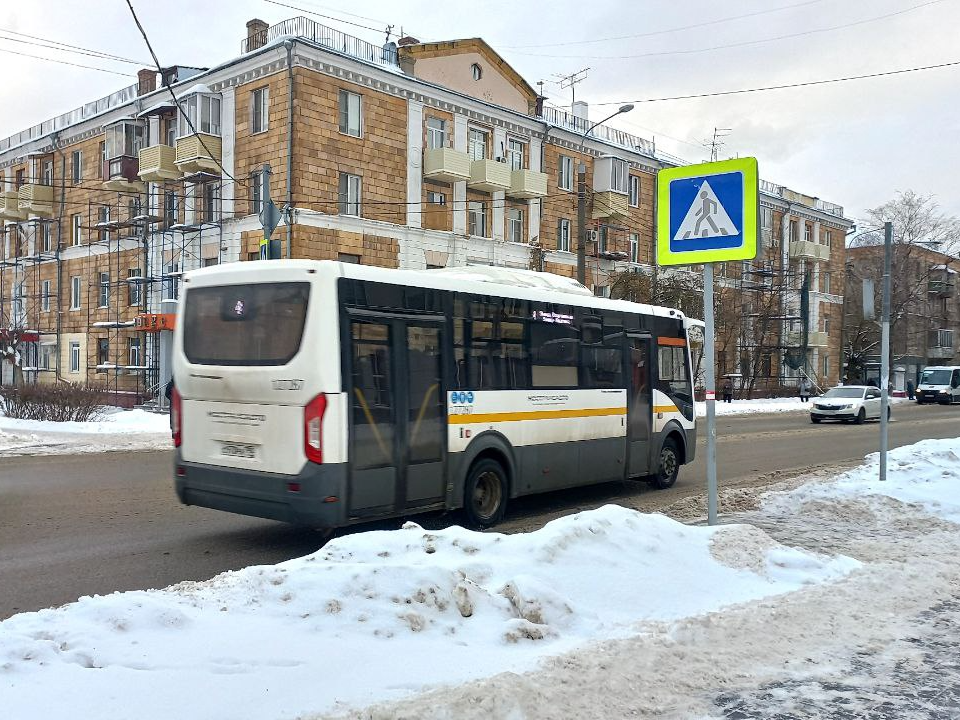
[543, 151]
[289, 46]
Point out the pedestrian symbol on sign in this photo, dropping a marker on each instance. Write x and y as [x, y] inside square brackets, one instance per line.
[706, 217]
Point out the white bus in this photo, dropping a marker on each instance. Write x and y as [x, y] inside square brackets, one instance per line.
[326, 394]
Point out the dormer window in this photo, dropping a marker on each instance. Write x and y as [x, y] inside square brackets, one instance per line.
[477, 71]
[201, 110]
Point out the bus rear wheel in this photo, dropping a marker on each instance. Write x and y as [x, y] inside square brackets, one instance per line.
[668, 467]
[485, 494]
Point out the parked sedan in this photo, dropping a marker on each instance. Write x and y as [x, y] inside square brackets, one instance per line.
[847, 403]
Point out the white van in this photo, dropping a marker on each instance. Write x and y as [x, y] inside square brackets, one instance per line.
[939, 384]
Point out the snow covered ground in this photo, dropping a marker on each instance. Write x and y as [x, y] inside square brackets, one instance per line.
[118, 430]
[765, 405]
[832, 596]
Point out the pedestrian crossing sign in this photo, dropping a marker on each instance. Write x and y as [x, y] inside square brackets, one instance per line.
[708, 212]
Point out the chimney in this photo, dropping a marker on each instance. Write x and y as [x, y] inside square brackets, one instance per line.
[146, 81]
[256, 34]
[581, 110]
[407, 40]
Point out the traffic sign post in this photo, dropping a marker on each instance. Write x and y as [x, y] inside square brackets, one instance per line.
[269, 218]
[708, 213]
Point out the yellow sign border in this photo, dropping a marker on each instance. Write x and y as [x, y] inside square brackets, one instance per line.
[751, 211]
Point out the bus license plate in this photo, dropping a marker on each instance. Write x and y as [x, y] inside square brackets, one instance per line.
[247, 451]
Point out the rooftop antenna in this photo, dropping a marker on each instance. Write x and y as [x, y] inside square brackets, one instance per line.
[571, 80]
[717, 142]
[389, 32]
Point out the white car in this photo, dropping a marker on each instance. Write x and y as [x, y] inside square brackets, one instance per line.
[848, 403]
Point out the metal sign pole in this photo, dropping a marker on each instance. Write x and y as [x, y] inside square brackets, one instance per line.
[885, 348]
[711, 394]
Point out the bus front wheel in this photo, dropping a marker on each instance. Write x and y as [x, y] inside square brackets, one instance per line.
[668, 467]
[485, 494]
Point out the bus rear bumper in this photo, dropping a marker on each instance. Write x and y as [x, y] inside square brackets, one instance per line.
[315, 497]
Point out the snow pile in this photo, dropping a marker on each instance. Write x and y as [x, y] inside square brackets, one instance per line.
[117, 430]
[926, 474]
[764, 405]
[380, 615]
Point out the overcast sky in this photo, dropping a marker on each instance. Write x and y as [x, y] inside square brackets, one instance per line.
[853, 143]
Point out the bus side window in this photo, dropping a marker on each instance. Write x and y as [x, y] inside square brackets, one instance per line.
[554, 349]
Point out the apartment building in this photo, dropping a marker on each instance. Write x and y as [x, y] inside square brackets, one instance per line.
[412, 155]
[925, 312]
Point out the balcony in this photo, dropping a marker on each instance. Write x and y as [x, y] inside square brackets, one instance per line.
[817, 339]
[610, 204]
[941, 288]
[10, 206]
[198, 153]
[809, 250]
[158, 163]
[36, 199]
[939, 353]
[527, 184]
[120, 174]
[446, 165]
[489, 176]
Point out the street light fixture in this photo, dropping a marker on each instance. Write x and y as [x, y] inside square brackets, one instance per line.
[582, 201]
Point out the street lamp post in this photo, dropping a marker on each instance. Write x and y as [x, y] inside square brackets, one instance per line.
[582, 202]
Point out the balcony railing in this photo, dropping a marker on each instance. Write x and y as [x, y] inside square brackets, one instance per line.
[121, 174]
[307, 29]
[158, 163]
[489, 176]
[810, 250]
[941, 288]
[199, 153]
[36, 199]
[610, 204]
[10, 206]
[569, 121]
[940, 353]
[527, 184]
[446, 165]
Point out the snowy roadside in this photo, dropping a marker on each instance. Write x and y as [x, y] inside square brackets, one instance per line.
[605, 613]
[765, 405]
[117, 430]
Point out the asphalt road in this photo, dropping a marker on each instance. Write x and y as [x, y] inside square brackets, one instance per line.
[94, 524]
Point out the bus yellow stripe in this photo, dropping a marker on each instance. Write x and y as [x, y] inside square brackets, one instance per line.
[665, 408]
[533, 415]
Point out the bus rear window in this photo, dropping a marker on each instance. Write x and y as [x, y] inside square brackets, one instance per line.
[253, 324]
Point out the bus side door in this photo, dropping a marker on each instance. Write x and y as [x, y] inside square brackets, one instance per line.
[639, 404]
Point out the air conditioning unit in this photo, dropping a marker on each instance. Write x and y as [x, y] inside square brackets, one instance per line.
[594, 236]
[501, 159]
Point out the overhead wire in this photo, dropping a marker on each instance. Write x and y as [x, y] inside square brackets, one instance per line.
[65, 62]
[64, 47]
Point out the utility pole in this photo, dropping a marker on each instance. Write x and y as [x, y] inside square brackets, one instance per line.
[269, 218]
[581, 223]
[885, 347]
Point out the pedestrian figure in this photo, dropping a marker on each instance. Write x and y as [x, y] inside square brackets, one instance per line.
[805, 386]
[707, 209]
[727, 391]
[910, 389]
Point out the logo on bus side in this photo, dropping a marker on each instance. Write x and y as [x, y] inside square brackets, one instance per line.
[463, 397]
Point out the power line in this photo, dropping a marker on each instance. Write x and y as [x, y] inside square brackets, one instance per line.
[325, 17]
[745, 43]
[173, 95]
[65, 62]
[64, 47]
[672, 30]
[786, 86]
[344, 12]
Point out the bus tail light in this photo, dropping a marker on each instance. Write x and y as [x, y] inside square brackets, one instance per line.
[313, 428]
[176, 417]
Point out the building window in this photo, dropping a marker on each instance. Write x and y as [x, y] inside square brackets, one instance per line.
[351, 122]
[563, 235]
[565, 179]
[766, 217]
[807, 234]
[476, 71]
[46, 356]
[602, 240]
[45, 296]
[515, 225]
[103, 217]
[103, 159]
[211, 202]
[348, 258]
[46, 238]
[210, 262]
[103, 351]
[104, 289]
[133, 352]
[74, 356]
[255, 199]
[826, 237]
[635, 248]
[794, 230]
[435, 198]
[170, 285]
[825, 282]
[515, 154]
[350, 194]
[477, 144]
[476, 219]
[20, 178]
[259, 110]
[76, 167]
[436, 133]
[170, 208]
[46, 173]
[618, 175]
[826, 325]
[75, 292]
[134, 288]
[209, 115]
[826, 365]
[634, 191]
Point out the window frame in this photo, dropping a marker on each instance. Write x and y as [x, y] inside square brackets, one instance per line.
[344, 111]
[45, 286]
[74, 358]
[76, 167]
[516, 152]
[514, 224]
[134, 289]
[633, 188]
[76, 292]
[472, 134]
[350, 183]
[565, 165]
[259, 110]
[564, 227]
[133, 343]
[103, 292]
[476, 210]
[634, 257]
[435, 134]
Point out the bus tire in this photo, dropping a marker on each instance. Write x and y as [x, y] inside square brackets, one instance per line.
[668, 466]
[485, 494]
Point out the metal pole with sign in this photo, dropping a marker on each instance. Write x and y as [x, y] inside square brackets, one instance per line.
[885, 348]
[708, 213]
[269, 218]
